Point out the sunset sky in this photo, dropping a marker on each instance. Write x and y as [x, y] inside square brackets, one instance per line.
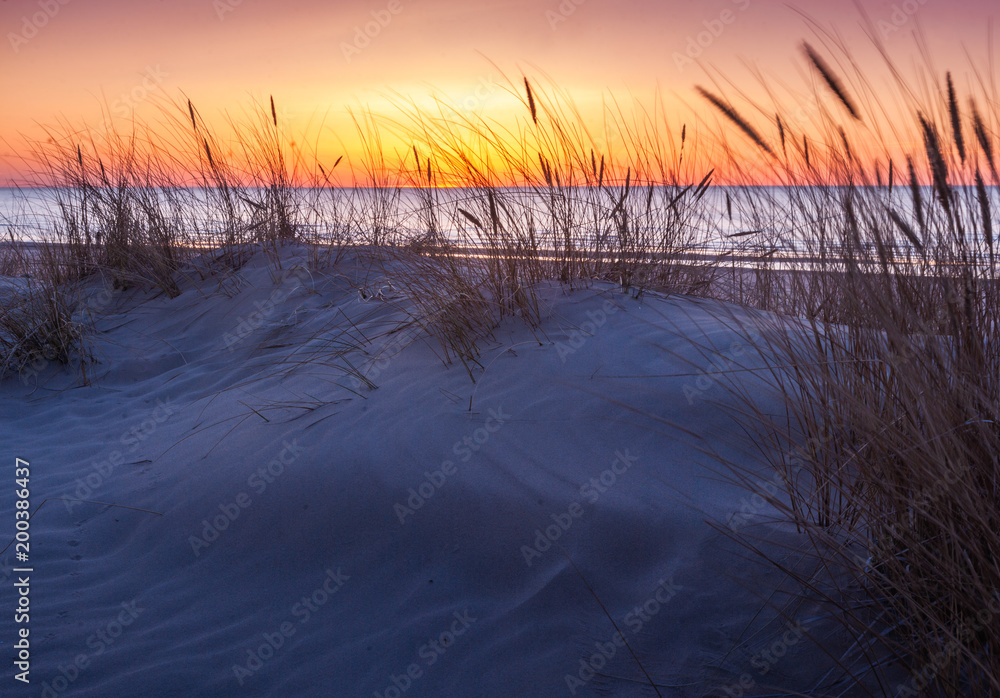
[66, 59]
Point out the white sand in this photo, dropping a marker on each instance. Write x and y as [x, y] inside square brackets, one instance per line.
[176, 422]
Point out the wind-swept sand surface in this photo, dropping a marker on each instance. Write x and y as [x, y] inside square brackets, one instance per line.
[321, 537]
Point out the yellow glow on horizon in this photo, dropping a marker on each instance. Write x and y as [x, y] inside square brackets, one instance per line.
[630, 62]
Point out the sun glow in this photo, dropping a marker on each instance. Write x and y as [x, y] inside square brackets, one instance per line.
[613, 71]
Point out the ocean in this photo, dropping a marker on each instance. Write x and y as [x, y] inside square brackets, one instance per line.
[755, 219]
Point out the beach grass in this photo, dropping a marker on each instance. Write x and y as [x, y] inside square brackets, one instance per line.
[886, 357]
[884, 346]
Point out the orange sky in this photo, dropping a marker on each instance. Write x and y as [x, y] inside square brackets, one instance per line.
[66, 58]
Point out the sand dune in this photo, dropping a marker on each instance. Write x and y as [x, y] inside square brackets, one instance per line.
[319, 537]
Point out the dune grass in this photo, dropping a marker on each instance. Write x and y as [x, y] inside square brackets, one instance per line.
[887, 357]
[881, 330]
[133, 206]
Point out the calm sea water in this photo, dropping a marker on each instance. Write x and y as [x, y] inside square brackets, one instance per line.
[722, 213]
